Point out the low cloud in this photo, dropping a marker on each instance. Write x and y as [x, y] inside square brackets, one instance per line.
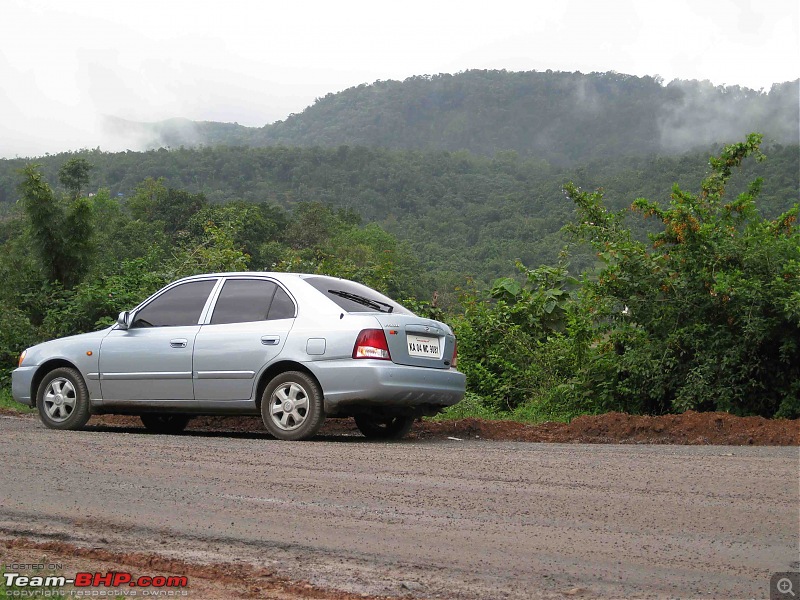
[697, 113]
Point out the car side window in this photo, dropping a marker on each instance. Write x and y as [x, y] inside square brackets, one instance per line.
[176, 307]
[243, 300]
[282, 306]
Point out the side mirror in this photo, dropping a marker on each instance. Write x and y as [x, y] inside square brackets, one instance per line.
[123, 320]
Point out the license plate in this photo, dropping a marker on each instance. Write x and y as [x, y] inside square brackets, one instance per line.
[420, 345]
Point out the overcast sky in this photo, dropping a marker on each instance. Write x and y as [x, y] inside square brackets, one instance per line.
[63, 65]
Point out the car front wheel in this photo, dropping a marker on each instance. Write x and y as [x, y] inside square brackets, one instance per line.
[291, 406]
[384, 428]
[63, 400]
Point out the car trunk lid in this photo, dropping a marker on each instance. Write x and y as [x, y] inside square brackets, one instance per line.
[418, 342]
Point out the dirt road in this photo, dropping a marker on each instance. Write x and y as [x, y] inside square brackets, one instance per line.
[425, 518]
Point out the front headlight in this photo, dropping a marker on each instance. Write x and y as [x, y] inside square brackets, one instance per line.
[22, 357]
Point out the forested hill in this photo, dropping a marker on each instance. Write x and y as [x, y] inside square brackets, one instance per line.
[564, 118]
[461, 213]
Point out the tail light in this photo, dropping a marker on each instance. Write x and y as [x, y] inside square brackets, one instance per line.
[371, 343]
[454, 361]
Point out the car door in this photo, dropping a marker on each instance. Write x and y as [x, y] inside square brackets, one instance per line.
[151, 361]
[247, 329]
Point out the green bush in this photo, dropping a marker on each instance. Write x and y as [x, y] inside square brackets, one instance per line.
[16, 334]
[520, 340]
[705, 317]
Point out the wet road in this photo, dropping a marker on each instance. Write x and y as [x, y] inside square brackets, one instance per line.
[439, 518]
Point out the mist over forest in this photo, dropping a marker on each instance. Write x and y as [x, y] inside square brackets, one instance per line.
[563, 118]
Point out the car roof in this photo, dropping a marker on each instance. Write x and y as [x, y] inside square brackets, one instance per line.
[279, 275]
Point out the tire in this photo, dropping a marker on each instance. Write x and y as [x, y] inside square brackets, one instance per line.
[63, 400]
[164, 423]
[291, 406]
[384, 428]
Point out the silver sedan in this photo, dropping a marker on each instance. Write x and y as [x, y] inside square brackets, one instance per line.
[293, 348]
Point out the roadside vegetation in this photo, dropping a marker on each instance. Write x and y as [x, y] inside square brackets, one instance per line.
[8, 403]
[705, 315]
[701, 313]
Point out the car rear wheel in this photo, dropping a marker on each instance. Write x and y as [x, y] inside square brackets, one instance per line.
[291, 406]
[384, 428]
[158, 423]
[63, 400]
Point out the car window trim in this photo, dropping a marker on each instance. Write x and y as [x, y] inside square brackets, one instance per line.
[208, 311]
[211, 301]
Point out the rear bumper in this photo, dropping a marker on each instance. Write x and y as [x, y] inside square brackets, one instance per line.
[348, 383]
[21, 379]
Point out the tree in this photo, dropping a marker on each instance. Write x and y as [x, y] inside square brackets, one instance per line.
[74, 175]
[61, 231]
[153, 201]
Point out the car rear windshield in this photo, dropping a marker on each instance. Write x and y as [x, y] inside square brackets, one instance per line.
[354, 297]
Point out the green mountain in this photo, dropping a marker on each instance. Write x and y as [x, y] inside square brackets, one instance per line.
[564, 118]
[462, 214]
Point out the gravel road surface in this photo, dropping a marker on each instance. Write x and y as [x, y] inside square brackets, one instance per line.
[434, 518]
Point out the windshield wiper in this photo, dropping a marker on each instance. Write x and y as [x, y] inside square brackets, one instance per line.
[376, 304]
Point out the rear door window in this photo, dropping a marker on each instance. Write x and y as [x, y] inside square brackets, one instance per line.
[243, 300]
[246, 300]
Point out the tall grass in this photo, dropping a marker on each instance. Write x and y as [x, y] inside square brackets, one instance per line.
[532, 411]
[8, 403]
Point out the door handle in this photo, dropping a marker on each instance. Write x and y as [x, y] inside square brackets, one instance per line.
[178, 343]
[270, 340]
